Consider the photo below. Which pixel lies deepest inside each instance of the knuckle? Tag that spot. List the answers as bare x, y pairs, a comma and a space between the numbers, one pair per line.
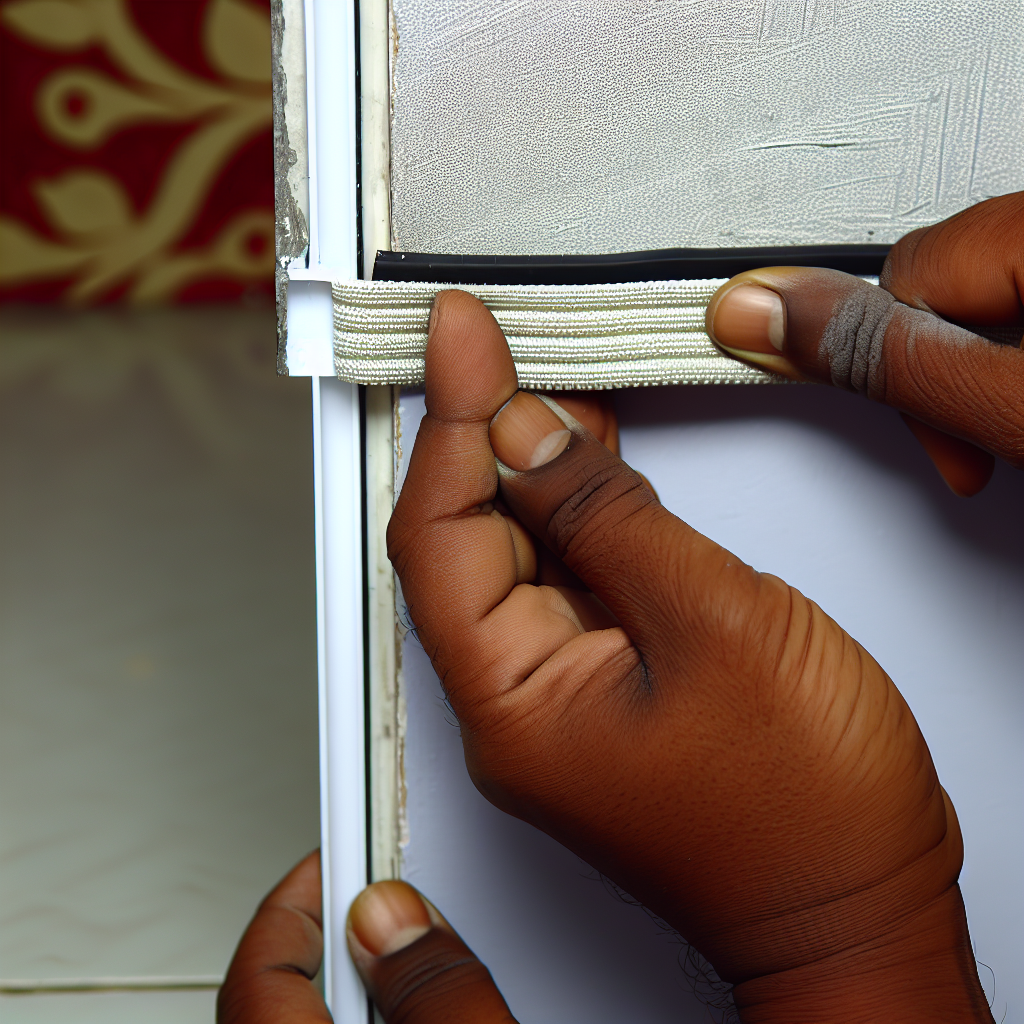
427, 980
397, 536
406, 541
853, 342
604, 494
901, 266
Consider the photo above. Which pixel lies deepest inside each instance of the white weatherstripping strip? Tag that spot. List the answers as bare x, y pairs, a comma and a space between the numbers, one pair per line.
561, 336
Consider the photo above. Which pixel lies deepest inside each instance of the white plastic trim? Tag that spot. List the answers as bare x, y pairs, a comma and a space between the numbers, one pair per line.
337, 467
331, 110
310, 328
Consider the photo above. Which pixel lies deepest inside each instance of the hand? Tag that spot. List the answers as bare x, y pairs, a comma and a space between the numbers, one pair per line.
414, 965
959, 393
699, 732
270, 980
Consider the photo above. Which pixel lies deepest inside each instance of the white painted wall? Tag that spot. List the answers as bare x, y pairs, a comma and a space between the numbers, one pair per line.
832, 494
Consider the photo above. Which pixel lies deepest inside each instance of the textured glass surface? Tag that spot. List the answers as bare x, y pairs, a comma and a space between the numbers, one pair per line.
607, 125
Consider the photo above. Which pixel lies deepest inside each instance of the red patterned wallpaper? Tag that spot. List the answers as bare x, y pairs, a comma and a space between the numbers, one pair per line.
137, 160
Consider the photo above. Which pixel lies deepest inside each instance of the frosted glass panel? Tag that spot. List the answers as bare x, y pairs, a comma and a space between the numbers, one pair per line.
611, 125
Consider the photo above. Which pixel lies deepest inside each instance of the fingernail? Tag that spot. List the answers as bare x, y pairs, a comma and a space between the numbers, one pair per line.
526, 433
387, 917
751, 319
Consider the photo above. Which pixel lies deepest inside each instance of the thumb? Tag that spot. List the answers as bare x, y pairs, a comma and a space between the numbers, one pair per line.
415, 967
653, 571
825, 326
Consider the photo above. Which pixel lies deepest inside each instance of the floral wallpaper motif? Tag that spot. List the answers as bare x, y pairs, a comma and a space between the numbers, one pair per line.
137, 160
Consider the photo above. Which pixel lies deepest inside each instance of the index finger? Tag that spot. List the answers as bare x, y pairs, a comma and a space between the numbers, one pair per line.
968, 268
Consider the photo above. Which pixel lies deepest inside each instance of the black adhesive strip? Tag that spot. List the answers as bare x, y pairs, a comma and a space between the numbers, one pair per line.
621, 268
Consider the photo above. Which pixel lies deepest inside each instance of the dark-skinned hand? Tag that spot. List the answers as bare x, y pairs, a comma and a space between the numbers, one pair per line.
913, 343
700, 732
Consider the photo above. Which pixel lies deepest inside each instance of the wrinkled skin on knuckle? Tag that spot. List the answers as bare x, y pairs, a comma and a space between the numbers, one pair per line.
603, 493
935, 370
830, 319
579, 500
853, 341
428, 980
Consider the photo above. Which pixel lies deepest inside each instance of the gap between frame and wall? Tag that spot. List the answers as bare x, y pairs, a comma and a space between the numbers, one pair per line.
384, 701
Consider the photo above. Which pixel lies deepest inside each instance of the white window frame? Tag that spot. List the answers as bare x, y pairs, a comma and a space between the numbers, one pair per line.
317, 130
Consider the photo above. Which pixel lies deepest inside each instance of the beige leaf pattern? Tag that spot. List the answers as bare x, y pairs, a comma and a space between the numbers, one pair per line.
24, 255
86, 202
106, 107
237, 41
57, 24
103, 242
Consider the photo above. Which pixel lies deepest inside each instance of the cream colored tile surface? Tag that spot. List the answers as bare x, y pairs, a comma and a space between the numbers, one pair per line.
158, 739
109, 1008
